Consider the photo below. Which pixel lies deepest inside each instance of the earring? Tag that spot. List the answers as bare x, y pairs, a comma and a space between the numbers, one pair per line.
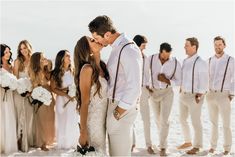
91, 54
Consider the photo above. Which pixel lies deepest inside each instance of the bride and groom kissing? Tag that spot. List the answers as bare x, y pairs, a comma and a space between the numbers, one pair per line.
107, 94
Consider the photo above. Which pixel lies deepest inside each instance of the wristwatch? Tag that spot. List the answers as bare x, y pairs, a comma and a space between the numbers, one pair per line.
116, 114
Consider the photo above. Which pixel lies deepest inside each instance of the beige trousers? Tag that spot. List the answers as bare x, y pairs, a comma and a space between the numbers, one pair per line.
219, 103
120, 131
161, 101
145, 115
188, 106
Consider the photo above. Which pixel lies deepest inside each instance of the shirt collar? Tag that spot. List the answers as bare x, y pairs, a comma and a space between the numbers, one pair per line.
224, 56
118, 40
192, 58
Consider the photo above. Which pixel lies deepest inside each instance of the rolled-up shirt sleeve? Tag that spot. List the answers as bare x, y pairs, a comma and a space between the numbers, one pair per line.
131, 63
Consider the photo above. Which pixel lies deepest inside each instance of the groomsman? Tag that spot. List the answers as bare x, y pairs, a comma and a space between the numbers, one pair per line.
124, 66
141, 42
193, 87
165, 73
221, 85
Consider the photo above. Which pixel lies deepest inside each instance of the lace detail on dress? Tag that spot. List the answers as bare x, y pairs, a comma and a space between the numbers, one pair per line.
97, 116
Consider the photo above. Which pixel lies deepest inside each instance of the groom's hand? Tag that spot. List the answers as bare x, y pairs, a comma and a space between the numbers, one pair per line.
119, 113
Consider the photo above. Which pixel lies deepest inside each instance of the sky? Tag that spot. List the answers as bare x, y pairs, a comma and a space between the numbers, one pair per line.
53, 25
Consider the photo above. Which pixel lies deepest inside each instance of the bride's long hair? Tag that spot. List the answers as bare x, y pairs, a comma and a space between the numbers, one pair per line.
82, 55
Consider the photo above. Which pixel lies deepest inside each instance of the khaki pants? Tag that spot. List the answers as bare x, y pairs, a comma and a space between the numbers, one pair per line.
162, 100
188, 106
120, 131
145, 115
219, 103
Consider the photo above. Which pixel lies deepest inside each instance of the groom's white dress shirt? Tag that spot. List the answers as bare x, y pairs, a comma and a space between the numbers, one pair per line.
128, 88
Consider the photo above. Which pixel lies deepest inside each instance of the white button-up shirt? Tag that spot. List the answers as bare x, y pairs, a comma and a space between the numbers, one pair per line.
200, 75
167, 68
128, 88
145, 71
216, 74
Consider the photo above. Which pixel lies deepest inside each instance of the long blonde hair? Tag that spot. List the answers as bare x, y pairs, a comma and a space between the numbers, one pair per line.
35, 70
20, 57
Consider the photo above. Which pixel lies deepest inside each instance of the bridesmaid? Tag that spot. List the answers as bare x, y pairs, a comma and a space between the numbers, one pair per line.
24, 110
44, 120
51, 110
7, 108
66, 117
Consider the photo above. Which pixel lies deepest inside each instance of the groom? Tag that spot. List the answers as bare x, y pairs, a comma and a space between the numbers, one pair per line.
124, 66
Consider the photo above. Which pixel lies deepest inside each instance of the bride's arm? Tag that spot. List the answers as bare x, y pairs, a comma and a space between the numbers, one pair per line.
85, 87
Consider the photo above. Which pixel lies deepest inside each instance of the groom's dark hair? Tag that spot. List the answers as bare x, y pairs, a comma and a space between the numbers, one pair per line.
101, 25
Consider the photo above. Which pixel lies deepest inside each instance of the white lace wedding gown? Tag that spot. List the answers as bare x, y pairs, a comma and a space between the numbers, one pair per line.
96, 121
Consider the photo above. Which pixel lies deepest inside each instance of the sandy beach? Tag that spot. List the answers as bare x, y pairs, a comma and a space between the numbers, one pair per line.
174, 139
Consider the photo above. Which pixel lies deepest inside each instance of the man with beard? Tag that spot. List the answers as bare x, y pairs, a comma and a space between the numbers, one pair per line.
221, 85
165, 73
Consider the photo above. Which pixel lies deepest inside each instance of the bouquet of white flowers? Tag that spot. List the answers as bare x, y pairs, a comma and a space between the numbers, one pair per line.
85, 151
7, 81
72, 93
41, 96
24, 86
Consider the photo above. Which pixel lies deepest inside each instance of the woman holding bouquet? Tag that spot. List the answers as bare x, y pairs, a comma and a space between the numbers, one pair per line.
24, 110
43, 118
66, 115
8, 119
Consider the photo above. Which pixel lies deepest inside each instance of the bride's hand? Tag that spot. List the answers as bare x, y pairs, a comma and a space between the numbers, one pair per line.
83, 139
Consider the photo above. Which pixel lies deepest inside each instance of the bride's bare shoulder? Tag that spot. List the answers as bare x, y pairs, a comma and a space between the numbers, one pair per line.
86, 70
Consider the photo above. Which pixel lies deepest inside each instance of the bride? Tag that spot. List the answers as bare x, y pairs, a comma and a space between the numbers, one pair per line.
91, 78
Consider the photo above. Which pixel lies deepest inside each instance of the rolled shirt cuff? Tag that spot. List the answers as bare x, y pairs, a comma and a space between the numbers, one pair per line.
124, 105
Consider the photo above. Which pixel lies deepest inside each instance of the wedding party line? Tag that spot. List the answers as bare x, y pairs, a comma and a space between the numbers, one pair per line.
91, 106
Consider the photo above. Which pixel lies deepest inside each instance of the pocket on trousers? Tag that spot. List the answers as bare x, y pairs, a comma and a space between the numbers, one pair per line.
112, 123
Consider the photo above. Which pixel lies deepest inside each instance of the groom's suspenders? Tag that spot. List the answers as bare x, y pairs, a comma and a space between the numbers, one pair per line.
115, 83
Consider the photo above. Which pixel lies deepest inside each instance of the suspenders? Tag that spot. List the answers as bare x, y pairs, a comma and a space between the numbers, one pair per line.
173, 72
143, 71
115, 83
151, 68
225, 72
193, 73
